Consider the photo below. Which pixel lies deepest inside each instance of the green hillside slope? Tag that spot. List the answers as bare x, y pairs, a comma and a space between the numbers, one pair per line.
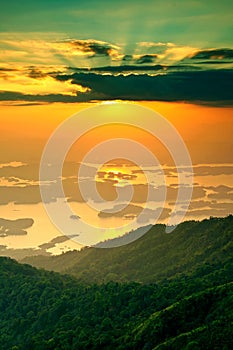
42, 310
193, 247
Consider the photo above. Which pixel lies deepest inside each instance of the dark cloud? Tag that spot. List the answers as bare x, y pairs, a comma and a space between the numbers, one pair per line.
14, 227
126, 68
94, 47
22, 104
17, 96
150, 58
127, 58
176, 86
3, 69
216, 62
173, 84
5, 73
132, 68
36, 73
213, 54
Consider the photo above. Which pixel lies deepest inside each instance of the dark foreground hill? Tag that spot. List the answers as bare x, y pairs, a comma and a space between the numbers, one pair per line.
194, 247
42, 310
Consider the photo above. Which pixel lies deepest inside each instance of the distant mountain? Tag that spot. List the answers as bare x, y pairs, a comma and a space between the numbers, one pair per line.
194, 247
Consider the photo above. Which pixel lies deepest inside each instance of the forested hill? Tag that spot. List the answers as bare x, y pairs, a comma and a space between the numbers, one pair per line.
204, 247
42, 310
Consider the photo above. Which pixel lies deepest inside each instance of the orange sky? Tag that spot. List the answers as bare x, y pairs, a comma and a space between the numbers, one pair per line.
207, 131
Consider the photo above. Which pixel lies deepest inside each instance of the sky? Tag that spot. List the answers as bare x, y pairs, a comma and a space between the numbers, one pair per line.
62, 57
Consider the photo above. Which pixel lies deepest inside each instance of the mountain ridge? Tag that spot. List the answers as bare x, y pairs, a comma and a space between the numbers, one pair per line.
191, 246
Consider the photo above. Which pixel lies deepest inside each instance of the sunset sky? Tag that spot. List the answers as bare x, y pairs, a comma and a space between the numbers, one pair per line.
61, 57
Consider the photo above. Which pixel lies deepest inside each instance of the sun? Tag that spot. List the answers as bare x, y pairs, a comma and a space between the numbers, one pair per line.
119, 173
109, 102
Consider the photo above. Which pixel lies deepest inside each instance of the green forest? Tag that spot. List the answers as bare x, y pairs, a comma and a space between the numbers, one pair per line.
163, 291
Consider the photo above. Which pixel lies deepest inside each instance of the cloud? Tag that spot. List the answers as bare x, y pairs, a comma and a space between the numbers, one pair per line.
14, 227
177, 53
36, 73
157, 48
23, 171
198, 204
116, 175
94, 47
132, 211
51, 244
30, 172
201, 170
212, 54
14, 164
55, 51
38, 81
213, 170
127, 58
104, 71
201, 86
127, 68
149, 58
19, 195
166, 52
20, 182
139, 59
221, 189
150, 215
221, 193
213, 204
49, 98
207, 213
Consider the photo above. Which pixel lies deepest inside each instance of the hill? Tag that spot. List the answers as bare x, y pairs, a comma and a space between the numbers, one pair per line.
194, 247
42, 310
